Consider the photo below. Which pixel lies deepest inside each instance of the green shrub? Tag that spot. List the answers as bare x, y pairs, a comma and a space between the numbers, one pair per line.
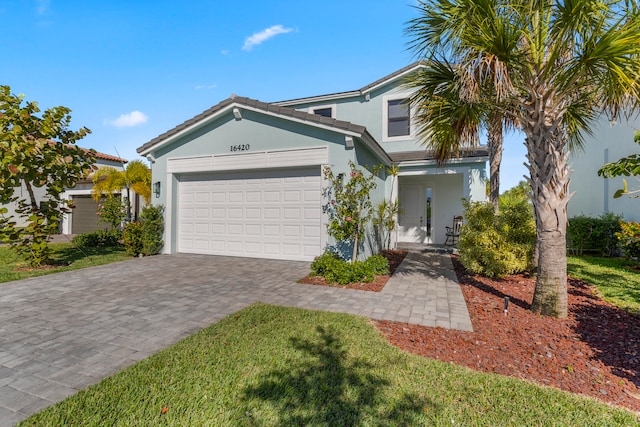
112, 211
629, 237
377, 264
497, 245
98, 238
595, 235
132, 238
336, 270
152, 219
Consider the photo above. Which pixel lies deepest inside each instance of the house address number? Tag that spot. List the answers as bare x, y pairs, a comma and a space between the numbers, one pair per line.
240, 147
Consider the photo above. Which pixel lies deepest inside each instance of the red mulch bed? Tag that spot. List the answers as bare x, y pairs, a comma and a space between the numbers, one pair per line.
394, 256
595, 351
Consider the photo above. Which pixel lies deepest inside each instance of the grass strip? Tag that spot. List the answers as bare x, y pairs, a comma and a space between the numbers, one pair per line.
615, 279
274, 366
65, 256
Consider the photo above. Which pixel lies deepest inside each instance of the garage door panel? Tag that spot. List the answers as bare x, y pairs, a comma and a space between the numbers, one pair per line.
271, 196
253, 213
270, 214
291, 214
312, 214
253, 230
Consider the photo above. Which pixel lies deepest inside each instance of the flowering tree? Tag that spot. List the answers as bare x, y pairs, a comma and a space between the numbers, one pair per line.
349, 208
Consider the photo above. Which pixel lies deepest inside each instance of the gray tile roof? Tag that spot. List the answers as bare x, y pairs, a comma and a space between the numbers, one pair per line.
408, 156
339, 125
360, 91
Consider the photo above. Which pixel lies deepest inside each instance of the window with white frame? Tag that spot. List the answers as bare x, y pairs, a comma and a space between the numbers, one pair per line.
396, 118
324, 110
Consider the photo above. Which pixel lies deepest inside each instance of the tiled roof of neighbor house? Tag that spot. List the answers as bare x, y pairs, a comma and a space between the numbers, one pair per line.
108, 157
97, 154
408, 156
259, 105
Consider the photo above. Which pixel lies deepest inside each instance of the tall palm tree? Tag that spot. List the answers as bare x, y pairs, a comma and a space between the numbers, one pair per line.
136, 176
555, 67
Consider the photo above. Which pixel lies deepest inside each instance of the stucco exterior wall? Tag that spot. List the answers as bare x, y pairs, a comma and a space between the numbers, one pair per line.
594, 194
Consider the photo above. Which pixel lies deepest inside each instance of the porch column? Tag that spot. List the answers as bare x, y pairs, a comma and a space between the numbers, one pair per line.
394, 197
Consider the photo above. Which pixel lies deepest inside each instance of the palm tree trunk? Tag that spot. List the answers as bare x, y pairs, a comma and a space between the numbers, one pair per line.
550, 184
494, 135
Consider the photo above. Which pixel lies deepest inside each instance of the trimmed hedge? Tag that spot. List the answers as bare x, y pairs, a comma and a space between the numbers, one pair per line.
593, 235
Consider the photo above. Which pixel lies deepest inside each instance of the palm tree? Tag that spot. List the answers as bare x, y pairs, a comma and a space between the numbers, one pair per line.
447, 122
554, 68
136, 176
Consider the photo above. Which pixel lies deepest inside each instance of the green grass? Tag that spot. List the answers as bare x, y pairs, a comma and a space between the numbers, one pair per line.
66, 254
274, 366
613, 277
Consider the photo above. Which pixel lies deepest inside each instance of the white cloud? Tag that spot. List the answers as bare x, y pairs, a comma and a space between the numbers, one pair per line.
224, 52
128, 120
264, 35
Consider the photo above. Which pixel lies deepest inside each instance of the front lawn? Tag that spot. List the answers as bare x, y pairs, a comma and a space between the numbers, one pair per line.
66, 256
270, 365
614, 278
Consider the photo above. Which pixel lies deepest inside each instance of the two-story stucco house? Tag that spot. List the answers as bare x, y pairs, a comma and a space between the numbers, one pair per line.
244, 178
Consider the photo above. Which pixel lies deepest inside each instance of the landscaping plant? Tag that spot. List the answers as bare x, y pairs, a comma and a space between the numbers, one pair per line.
593, 234
152, 219
98, 238
629, 237
336, 270
144, 237
112, 211
349, 208
132, 238
496, 245
36, 151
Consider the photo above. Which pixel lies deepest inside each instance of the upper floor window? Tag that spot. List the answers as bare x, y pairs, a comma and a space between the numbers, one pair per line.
398, 116
396, 123
325, 111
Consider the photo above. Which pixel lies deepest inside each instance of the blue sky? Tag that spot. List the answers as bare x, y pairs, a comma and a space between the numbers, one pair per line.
131, 70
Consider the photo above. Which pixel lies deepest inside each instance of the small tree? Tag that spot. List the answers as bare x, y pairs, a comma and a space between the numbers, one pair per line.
626, 166
36, 151
112, 211
349, 208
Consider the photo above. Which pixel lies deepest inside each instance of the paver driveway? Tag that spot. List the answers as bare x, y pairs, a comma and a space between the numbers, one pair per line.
63, 332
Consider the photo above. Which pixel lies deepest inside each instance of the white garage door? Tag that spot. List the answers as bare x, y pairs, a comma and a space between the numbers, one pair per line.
261, 214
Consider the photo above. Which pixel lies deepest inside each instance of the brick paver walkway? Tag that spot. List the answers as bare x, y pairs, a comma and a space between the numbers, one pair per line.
63, 332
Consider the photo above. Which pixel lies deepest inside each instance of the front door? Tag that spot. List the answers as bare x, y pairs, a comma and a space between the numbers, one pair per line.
415, 222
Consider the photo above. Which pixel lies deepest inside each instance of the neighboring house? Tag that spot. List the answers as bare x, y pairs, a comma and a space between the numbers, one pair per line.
244, 178
594, 194
83, 217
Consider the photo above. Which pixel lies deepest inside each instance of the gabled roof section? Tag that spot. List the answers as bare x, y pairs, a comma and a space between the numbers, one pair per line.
401, 73
286, 113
